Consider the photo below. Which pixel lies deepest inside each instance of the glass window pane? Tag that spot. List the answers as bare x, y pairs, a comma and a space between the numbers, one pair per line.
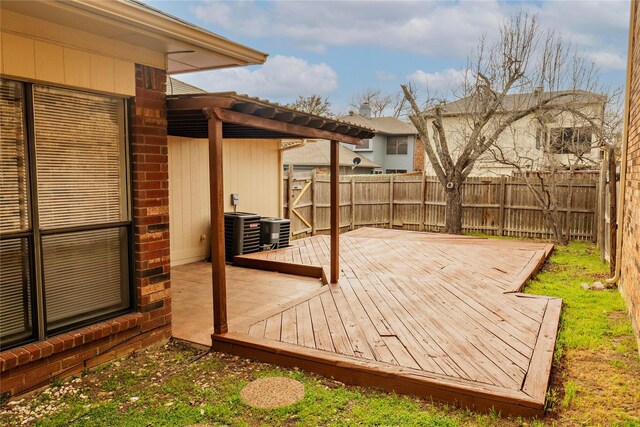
85, 275
13, 164
80, 158
16, 322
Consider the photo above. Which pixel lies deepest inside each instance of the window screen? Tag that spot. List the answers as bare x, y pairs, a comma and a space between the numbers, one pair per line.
83, 275
79, 158
16, 321
16, 316
13, 165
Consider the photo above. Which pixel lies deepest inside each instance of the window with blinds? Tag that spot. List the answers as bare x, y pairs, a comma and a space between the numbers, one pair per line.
64, 260
16, 311
79, 152
13, 166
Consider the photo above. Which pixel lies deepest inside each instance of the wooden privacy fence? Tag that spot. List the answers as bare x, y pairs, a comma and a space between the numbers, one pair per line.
502, 206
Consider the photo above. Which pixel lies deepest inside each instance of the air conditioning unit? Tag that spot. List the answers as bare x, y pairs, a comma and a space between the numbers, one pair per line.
274, 233
241, 234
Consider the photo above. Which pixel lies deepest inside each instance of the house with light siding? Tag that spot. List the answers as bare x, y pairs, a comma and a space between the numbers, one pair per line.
395, 147
556, 136
307, 156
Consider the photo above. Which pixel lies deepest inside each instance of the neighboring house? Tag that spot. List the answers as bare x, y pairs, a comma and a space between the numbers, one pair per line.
628, 258
395, 147
84, 202
552, 137
178, 87
314, 155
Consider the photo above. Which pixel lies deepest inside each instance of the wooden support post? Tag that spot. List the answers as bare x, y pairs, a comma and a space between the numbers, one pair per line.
421, 209
314, 203
289, 190
216, 194
335, 212
352, 219
501, 195
391, 201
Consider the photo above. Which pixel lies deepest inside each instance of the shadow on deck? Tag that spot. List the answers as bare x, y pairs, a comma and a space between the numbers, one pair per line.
418, 313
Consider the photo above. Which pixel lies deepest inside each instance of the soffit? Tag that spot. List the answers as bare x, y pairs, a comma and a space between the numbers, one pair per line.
188, 47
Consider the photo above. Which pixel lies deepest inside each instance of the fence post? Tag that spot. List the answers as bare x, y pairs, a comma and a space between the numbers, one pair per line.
501, 196
600, 212
391, 201
613, 210
289, 190
314, 202
352, 217
422, 209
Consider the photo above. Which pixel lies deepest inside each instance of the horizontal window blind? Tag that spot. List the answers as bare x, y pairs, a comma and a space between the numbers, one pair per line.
79, 158
84, 275
16, 321
13, 165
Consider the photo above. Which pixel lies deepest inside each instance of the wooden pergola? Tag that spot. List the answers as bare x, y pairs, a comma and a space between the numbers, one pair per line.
216, 116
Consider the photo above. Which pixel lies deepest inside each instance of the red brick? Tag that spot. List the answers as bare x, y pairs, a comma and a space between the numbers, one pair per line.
47, 348
10, 383
42, 372
23, 355
58, 344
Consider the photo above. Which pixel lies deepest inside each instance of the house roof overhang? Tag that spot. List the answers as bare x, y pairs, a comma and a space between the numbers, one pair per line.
187, 47
248, 117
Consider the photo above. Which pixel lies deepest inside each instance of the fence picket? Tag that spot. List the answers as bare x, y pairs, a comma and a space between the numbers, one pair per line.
502, 206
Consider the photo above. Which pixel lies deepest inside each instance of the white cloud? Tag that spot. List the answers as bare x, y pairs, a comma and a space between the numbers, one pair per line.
438, 83
279, 78
450, 29
608, 60
423, 27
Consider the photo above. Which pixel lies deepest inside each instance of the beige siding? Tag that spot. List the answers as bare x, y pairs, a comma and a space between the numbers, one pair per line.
27, 58
251, 168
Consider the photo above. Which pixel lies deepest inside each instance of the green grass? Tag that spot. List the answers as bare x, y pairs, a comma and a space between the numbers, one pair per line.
595, 356
586, 321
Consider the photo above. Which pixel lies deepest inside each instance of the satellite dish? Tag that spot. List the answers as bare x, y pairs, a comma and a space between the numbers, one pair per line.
356, 161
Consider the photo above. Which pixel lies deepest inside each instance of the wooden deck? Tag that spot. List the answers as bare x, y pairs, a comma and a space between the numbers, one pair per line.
414, 312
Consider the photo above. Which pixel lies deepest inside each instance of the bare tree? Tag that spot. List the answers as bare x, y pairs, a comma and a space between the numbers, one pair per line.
569, 140
381, 104
378, 102
523, 60
313, 104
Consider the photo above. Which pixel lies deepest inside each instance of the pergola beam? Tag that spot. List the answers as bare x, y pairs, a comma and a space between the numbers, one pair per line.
237, 118
199, 103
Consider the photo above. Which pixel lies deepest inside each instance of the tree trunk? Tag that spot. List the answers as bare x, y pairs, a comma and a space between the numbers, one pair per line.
569, 203
453, 210
551, 220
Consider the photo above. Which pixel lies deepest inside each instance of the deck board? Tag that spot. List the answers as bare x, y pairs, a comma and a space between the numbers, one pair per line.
431, 308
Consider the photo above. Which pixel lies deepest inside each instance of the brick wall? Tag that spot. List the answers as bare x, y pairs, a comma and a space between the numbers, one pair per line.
630, 281
34, 365
151, 198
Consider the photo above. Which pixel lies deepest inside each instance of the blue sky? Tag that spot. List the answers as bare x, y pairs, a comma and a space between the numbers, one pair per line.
340, 48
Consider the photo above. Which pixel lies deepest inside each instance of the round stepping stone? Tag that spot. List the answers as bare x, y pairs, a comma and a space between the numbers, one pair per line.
272, 392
